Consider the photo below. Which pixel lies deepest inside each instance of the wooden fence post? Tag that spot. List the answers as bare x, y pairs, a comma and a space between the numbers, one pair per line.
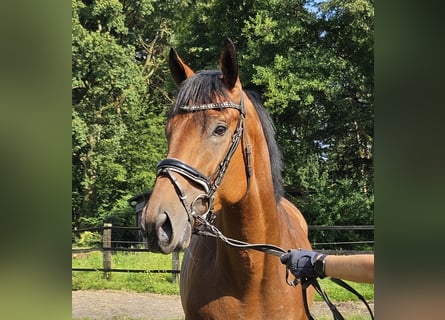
175, 266
106, 245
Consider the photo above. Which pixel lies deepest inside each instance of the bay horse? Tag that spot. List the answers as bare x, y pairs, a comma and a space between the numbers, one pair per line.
223, 164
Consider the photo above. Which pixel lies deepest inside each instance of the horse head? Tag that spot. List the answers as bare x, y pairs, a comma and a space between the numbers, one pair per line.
204, 130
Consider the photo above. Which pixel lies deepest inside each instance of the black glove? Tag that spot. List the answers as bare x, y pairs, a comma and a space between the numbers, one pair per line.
301, 263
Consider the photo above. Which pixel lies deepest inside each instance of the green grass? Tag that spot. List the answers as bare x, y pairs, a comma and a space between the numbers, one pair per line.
129, 318
337, 293
138, 282
162, 282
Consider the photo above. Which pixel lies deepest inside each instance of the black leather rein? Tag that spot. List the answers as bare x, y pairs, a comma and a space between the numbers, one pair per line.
209, 229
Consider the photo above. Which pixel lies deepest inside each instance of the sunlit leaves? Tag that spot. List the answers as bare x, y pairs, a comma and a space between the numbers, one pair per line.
116, 132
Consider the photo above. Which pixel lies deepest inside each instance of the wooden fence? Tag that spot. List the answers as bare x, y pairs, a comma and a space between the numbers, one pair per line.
107, 249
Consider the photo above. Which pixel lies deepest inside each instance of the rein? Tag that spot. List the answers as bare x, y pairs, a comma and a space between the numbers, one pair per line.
213, 231
278, 251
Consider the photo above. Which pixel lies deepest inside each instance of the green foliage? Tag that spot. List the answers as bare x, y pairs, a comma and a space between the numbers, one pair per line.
117, 109
316, 71
88, 239
202, 26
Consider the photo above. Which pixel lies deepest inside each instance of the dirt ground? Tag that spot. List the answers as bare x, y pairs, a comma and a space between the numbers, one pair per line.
119, 305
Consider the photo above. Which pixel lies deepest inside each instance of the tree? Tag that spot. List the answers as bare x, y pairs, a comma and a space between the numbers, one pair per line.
201, 27
118, 71
318, 84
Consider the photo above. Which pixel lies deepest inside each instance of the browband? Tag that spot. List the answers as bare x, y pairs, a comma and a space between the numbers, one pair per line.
214, 105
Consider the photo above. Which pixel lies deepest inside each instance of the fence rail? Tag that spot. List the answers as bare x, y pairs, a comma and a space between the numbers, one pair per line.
107, 248
362, 227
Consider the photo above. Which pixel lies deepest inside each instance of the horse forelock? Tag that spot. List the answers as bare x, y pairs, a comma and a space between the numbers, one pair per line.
203, 88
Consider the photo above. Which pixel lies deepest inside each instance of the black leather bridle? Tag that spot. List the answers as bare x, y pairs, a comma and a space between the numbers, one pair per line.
210, 184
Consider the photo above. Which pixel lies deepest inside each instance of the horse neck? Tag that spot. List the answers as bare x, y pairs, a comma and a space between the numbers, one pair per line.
254, 218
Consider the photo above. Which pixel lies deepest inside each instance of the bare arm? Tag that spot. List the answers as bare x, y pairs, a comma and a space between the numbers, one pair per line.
309, 264
357, 268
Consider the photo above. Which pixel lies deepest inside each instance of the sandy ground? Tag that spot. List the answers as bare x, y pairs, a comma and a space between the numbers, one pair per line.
114, 304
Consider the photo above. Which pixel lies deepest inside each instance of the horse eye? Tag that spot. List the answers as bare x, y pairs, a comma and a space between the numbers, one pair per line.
220, 130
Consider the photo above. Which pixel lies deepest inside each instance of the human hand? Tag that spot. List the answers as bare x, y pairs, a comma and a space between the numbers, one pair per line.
301, 263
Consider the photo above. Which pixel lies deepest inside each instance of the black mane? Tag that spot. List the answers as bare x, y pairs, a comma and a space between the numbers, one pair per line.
203, 87
276, 160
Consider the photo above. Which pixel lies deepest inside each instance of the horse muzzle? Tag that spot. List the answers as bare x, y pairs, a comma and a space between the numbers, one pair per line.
165, 234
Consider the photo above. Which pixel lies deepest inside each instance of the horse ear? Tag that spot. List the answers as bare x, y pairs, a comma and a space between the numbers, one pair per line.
229, 64
178, 69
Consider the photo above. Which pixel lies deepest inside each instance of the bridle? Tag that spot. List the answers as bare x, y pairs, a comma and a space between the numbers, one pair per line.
210, 184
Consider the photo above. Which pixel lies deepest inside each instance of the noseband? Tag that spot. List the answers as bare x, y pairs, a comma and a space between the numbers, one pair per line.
210, 184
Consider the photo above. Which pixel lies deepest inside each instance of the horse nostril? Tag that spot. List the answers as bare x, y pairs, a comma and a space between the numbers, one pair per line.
164, 228
142, 227
141, 220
